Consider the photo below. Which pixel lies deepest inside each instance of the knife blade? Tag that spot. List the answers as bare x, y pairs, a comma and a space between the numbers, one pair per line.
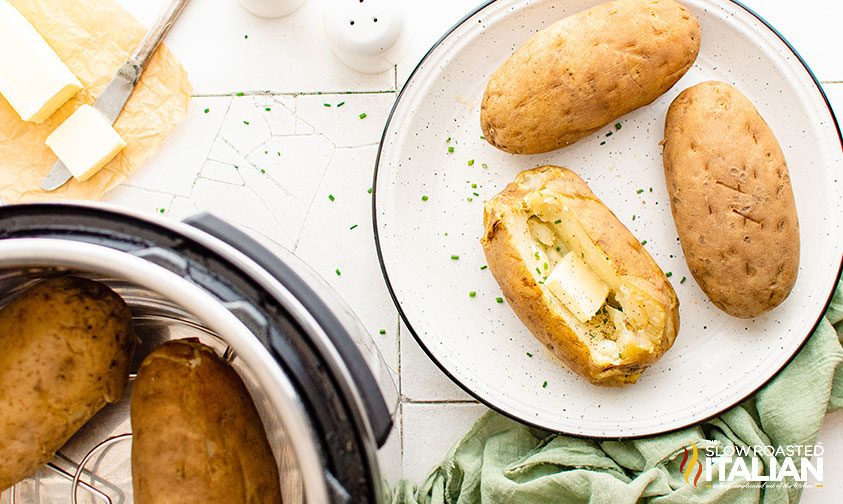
113, 99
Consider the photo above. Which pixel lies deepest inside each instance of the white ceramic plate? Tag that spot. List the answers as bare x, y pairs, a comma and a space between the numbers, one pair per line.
717, 360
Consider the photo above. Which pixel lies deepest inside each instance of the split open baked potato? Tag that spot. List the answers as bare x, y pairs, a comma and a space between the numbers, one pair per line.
577, 277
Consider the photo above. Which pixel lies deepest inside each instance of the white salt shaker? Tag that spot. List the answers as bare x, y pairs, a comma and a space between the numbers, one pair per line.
369, 36
271, 8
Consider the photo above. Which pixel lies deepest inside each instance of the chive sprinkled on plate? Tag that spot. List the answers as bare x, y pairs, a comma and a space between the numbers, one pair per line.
483, 267
668, 274
448, 140
603, 142
340, 104
326, 104
451, 149
617, 126
268, 109
425, 198
363, 115
639, 191
683, 280
651, 189
369, 190
207, 110
499, 300
469, 199
240, 93
472, 294
558, 221
382, 331
474, 186
246, 123
353, 227
544, 385
529, 354
633, 216
455, 257
470, 162
609, 134
331, 197
643, 242
338, 272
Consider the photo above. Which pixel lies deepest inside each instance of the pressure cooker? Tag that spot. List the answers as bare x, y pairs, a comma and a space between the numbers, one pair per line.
324, 394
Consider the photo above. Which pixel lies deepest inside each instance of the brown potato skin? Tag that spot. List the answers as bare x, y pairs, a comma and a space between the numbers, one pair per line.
196, 435
731, 199
527, 298
586, 70
65, 349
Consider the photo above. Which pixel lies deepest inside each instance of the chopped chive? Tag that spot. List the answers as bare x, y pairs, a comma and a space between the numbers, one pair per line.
331, 197
469, 199
639, 191
474, 186
245, 36
651, 189
643, 242
353, 227
668, 274
278, 153
263, 170
482, 137
476, 194
545, 266
338, 272
362, 116
240, 93
603, 142
538, 270
558, 221
326, 104
470, 162
451, 150
472, 294
161, 210
207, 110
340, 104
609, 134
246, 123
483, 267
529, 354
620, 355
448, 140
425, 198
369, 190
499, 300
455, 257
268, 109
382, 331
544, 385
617, 126
683, 280
633, 216
536, 254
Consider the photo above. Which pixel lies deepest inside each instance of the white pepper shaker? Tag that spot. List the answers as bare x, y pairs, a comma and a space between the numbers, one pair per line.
369, 36
271, 8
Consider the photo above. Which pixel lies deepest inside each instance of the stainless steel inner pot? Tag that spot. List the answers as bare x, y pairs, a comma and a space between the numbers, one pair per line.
166, 284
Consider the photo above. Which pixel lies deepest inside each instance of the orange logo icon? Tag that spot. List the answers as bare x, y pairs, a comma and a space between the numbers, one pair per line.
687, 466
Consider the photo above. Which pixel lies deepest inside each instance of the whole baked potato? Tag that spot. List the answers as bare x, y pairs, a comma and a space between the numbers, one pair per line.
577, 278
65, 349
196, 435
583, 72
731, 199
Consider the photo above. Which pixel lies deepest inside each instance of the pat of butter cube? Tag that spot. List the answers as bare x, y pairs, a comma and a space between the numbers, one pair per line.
579, 289
33, 79
85, 142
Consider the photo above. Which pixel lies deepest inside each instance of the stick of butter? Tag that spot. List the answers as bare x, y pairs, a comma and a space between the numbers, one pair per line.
85, 142
579, 289
33, 79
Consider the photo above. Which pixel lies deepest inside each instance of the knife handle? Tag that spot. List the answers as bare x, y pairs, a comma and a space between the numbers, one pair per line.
154, 36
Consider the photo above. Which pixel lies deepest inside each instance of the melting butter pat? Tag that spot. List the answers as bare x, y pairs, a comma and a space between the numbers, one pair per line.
33, 79
579, 289
85, 142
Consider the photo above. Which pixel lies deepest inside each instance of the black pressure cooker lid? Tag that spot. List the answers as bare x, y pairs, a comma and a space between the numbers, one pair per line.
340, 425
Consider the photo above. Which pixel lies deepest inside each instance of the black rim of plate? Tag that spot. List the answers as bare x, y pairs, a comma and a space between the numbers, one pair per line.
490, 404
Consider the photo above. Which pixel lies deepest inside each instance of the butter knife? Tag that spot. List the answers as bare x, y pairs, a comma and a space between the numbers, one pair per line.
117, 92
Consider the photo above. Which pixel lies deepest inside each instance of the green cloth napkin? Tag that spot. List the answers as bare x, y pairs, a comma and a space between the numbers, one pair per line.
501, 461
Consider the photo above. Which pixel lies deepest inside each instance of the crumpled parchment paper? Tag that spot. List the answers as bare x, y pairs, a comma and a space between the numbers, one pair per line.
93, 38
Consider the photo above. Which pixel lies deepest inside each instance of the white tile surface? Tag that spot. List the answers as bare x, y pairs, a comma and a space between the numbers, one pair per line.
214, 162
